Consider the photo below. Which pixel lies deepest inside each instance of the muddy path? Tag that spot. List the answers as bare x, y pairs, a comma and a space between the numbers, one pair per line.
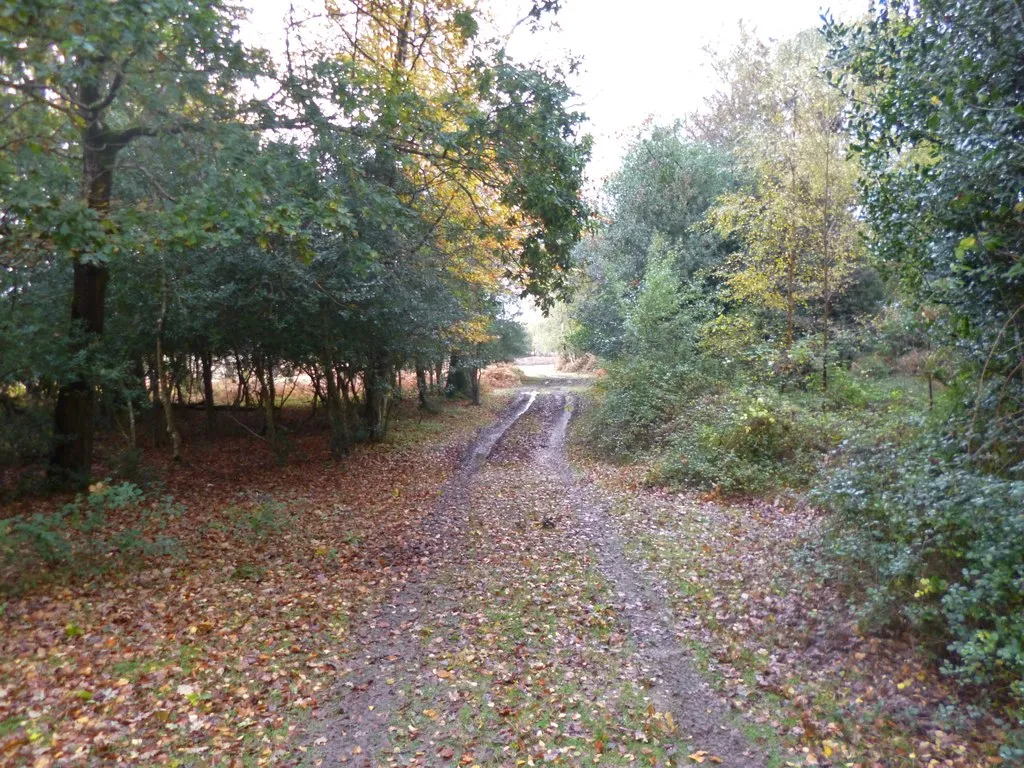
524, 634
355, 725
676, 685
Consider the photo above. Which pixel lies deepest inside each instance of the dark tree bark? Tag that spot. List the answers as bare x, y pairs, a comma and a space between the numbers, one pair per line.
341, 438
166, 383
421, 383
377, 399
206, 359
74, 416
265, 372
155, 418
458, 383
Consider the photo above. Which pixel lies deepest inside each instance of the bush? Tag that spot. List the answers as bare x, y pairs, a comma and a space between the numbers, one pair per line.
939, 546
745, 442
81, 535
256, 524
26, 434
634, 402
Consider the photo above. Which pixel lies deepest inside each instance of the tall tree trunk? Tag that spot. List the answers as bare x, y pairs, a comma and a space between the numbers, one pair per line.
165, 385
159, 435
206, 358
790, 300
71, 459
474, 384
168, 406
242, 395
265, 372
346, 398
421, 383
826, 272
336, 410
824, 346
377, 394
458, 384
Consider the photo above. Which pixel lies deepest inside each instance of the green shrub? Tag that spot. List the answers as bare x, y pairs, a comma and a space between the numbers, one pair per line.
81, 535
39, 537
260, 521
634, 403
25, 433
937, 545
745, 442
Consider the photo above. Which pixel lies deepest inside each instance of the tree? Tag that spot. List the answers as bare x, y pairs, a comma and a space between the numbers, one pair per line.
402, 178
661, 194
794, 222
934, 89
89, 79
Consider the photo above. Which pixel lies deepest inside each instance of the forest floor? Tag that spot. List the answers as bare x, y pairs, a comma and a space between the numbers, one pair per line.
426, 603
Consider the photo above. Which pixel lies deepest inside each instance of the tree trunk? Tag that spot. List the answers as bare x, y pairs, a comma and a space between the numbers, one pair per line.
265, 372
76, 401
165, 385
474, 384
132, 439
71, 459
790, 300
336, 411
826, 272
458, 383
377, 405
346, 399
168, 406
206, 358
242, 395
824, 349
421, 383
155, 409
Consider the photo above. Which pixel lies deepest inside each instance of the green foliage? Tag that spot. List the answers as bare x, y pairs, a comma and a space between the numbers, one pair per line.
630, 407
259, 522
26, 432
939, 546
934, 101
355, 223
111, 525
745, 442
663, 370
657, 202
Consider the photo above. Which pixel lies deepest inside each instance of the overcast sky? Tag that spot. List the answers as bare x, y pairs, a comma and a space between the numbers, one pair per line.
648, 58
641, 59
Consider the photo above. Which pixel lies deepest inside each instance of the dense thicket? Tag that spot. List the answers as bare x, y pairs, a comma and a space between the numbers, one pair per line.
355, 206
814, 285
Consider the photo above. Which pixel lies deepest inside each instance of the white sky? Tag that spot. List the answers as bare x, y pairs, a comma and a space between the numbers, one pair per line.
641, 59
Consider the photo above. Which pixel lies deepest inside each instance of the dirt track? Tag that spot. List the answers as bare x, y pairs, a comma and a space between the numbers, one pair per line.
523, 603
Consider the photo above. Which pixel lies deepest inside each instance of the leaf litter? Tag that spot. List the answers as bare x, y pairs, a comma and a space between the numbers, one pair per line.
219, 658
781, 645
530, 615
514, 648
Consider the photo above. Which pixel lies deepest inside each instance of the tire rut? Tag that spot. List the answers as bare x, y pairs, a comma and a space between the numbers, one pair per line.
390, 637
677, 687
352, 728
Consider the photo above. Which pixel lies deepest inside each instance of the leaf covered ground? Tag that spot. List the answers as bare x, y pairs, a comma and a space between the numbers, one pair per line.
781, 645
460, 596
514, 653
215, 657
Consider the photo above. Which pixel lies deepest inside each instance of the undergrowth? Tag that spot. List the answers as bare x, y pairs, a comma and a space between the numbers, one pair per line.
87, 535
